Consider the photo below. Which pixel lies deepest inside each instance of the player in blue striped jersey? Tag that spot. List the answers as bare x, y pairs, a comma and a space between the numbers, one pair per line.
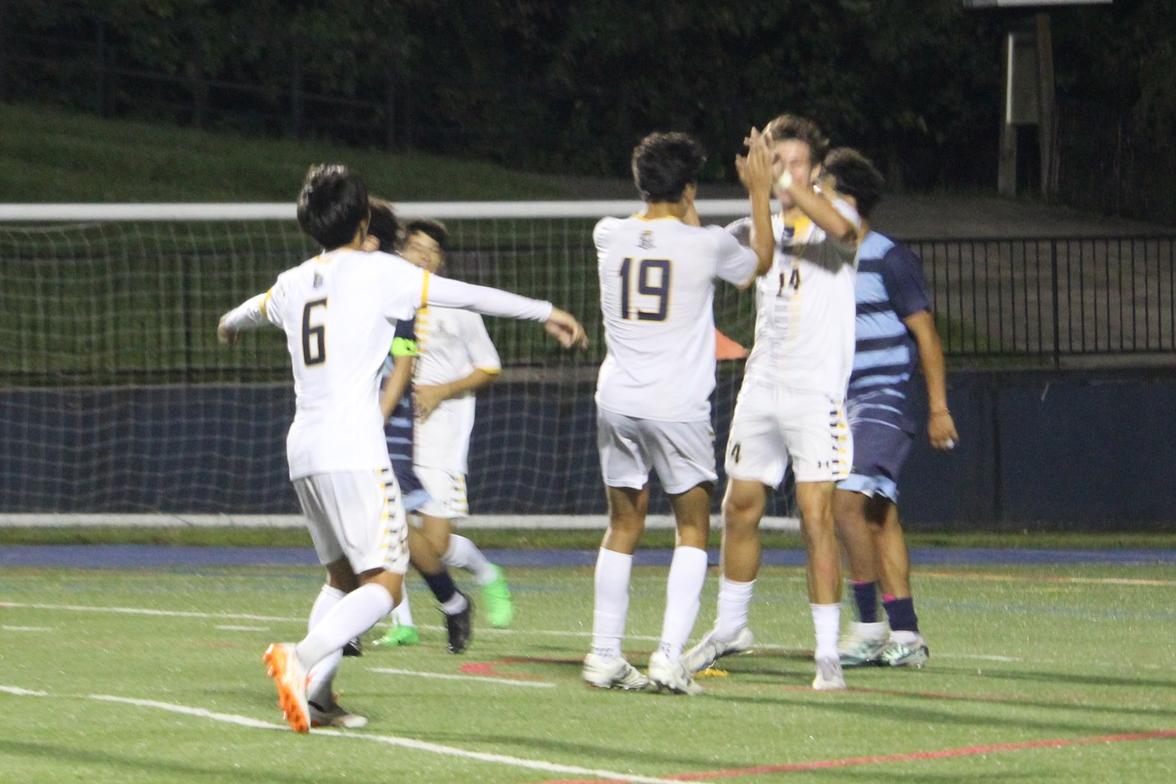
396, 405
894, 330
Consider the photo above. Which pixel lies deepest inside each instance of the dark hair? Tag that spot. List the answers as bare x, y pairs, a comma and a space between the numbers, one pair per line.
664, 164
802, 129
332, 204
432, 228
856, 176
383, 224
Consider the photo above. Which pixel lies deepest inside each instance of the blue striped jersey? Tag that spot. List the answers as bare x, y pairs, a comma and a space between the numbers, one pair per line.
889, 288
398, 428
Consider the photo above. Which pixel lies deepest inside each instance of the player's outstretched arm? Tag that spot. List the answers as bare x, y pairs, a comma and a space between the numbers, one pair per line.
250, 314
396, 384
446, 293
755, 172
941, 429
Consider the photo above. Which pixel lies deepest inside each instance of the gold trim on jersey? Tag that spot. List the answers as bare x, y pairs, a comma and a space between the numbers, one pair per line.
265, 303
425, 290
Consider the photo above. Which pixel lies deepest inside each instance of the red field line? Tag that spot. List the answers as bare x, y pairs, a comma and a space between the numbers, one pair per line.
962, 751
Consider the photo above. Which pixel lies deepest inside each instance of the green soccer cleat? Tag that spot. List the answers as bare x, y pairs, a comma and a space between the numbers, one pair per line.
496, 597
399, 635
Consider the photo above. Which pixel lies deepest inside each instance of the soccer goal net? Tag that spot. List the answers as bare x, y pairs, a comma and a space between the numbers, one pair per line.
118, 405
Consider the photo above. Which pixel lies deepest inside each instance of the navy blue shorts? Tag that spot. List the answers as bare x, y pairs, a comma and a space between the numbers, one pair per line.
882, 437
398, 434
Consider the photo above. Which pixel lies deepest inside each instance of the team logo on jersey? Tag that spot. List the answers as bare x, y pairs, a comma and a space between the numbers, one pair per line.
318, 281
646, 240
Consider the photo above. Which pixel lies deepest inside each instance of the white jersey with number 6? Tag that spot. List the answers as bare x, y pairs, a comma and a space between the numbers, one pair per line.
339, 312
656, 294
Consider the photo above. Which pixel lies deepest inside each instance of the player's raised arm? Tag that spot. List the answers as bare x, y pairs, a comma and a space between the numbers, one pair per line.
820, 209
755, 172
447, 293
250, 314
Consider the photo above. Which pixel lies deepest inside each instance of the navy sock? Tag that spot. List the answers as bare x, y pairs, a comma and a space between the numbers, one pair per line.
901, 613
865, 596
441, 584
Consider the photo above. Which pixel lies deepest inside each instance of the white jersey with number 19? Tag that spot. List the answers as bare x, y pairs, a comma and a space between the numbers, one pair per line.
656, 294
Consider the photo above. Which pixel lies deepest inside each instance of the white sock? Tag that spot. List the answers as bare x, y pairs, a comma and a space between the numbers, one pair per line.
870, 631
456, 604
402, 613
612, 602
464, 554
323, 673
734, 601
827, 624
354, 614
683, 587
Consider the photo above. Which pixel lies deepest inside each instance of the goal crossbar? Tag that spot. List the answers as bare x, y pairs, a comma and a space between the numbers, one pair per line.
441, 210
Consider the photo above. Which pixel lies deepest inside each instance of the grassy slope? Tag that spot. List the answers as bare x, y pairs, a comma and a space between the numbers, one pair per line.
54, 155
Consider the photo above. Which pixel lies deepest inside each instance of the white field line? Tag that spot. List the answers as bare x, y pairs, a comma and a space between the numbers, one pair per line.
231, 628
18, 691
27, 628
442, 676
146, 611
389, 740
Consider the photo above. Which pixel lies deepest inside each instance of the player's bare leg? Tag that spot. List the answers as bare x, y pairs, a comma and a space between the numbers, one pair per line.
683, 587
907, 648
743, 507
823, 571
604, 666
855, 515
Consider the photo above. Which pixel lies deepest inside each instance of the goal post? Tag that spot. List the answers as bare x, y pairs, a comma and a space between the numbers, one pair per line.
116, 402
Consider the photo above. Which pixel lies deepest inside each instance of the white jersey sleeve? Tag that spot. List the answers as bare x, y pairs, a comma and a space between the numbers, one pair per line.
483, 355
446, 293
736, 263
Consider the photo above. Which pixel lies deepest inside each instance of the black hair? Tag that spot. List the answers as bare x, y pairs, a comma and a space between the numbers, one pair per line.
664, 164
332, 205
801, 129
856, 176
383, 224
432, 228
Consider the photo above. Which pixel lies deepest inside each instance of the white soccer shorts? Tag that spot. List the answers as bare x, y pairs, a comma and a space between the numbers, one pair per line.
682, 453
357, 515
772, 426
447, 493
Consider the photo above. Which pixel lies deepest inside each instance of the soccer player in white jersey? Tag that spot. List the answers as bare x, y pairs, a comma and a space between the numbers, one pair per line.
455, 359
339, 311
791, 404
657, 277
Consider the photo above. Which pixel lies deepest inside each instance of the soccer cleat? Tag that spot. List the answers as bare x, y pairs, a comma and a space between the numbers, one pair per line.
860, 649
612, 672
399, 635
354, 647
712, 648
499, 606
281, 664
906, 654
673, 677
334, 715
829, 676
460, 627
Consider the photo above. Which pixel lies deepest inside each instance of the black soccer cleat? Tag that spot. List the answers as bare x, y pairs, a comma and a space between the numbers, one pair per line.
354, 647
460, 627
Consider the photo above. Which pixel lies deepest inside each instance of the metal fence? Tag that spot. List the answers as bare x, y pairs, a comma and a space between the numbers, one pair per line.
1053, 297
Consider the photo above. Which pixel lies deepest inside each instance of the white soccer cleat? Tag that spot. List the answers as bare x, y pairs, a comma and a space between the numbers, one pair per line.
712, 648
864, 645
829, 676
334, 715
670, 676
908, 653
612, 672
282, 664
